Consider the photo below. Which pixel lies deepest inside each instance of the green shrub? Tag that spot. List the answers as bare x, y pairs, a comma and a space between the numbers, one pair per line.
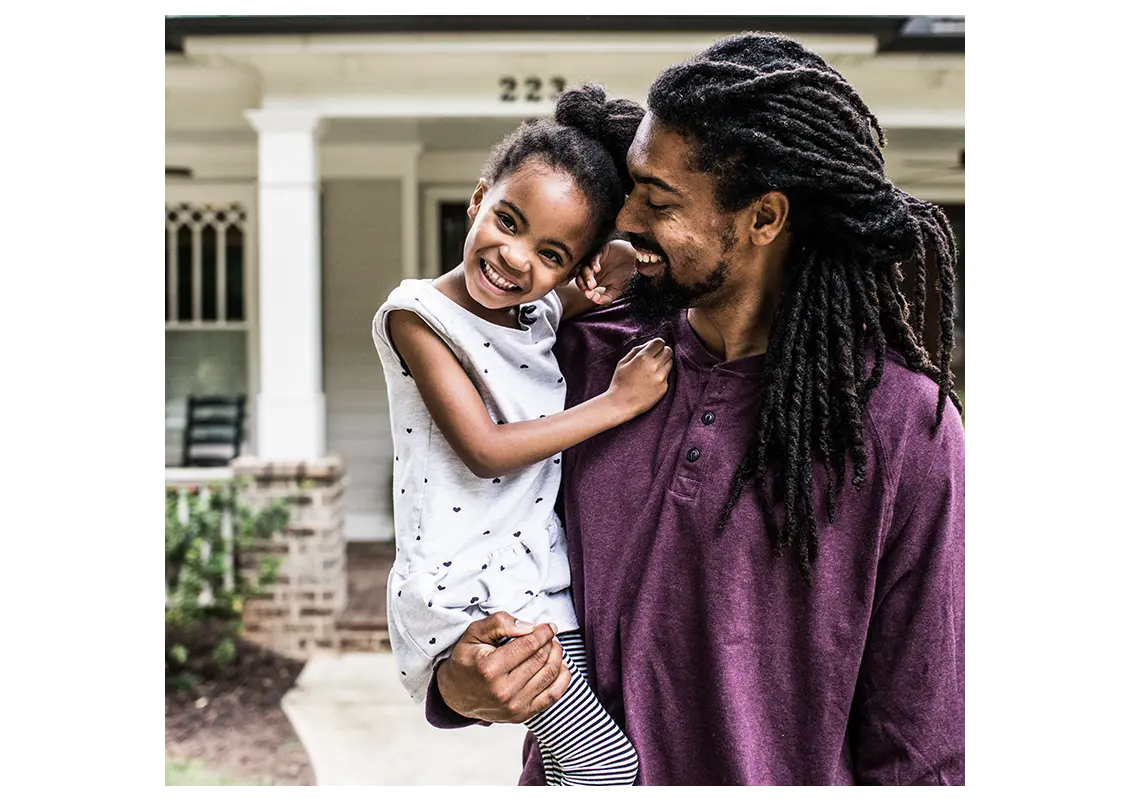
205, 586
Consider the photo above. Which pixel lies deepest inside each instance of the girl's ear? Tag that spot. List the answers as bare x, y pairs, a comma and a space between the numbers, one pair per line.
477, 198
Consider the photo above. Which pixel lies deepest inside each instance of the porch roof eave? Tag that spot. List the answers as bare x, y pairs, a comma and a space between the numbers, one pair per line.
892, 33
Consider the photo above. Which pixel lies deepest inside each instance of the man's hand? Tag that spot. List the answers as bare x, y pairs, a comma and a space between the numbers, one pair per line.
510, 683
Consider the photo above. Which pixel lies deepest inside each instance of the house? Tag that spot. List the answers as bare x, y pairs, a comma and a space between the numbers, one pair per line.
312, 163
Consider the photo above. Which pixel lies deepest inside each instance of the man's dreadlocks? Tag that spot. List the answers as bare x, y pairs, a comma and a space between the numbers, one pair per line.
766, 114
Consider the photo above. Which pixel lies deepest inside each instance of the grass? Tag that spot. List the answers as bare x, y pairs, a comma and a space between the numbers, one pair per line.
192, 773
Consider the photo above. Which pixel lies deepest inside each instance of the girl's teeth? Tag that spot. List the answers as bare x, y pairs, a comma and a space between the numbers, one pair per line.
498, 280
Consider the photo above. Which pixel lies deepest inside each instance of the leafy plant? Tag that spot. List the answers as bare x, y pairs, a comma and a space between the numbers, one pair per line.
209, 531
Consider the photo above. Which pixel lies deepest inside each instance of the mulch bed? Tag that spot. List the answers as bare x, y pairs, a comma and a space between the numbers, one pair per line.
232, 720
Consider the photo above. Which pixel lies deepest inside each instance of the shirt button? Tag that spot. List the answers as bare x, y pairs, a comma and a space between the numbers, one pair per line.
708, 418
693, 454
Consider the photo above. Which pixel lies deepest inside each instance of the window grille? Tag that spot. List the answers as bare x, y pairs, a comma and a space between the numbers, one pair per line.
204, 265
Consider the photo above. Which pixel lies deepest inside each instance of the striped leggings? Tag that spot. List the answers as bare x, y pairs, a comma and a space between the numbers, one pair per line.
580, 744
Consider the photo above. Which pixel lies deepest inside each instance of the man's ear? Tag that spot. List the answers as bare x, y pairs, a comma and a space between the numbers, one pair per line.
477, 198
766, 218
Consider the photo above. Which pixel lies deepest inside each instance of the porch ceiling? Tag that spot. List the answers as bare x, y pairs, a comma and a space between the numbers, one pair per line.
442, 91
476, 133
467, 133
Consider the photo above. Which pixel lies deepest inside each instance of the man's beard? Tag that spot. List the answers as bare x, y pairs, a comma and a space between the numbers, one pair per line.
653, 300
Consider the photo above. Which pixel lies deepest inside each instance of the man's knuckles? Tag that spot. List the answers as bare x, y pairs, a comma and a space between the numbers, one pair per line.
500, 696
535, 641
488, 673
539, 657
517, 710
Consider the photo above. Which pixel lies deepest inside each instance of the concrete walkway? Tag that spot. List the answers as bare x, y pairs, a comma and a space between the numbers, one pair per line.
360, 728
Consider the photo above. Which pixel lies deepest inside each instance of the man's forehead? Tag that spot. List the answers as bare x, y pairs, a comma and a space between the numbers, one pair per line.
660, 152
648, 139
661, 156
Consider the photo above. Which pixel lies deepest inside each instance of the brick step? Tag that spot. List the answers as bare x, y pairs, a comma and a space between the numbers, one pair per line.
362, 642
363, 624
361, 620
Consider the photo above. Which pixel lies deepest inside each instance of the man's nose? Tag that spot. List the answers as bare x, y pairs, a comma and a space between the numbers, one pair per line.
628, 218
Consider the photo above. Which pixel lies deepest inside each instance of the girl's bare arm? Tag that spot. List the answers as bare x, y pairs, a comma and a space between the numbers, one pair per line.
489, 449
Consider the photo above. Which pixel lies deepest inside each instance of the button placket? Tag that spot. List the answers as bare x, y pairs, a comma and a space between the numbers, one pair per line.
702, 436
697, 439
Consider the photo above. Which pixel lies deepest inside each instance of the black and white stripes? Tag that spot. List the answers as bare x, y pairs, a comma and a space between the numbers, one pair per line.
580, 744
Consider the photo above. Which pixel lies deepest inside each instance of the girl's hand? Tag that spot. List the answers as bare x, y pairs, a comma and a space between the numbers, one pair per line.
603, 280
640, 379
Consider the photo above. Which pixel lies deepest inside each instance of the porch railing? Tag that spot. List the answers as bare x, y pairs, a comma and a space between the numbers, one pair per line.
201, 479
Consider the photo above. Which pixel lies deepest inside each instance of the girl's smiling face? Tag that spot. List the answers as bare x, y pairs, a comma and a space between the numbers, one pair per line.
530, 230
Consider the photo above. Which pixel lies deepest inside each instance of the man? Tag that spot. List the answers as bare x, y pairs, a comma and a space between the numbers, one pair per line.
753, 617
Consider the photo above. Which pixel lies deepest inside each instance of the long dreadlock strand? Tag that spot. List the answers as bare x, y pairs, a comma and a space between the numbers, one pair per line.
820, 383
766, 114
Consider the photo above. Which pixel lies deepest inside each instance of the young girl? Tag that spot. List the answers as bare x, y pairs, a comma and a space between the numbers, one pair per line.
478, 418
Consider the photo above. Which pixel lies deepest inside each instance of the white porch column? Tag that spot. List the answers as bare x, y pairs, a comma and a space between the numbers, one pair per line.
291, 407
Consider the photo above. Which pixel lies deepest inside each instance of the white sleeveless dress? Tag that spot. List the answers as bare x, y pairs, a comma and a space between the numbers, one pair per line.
468, 546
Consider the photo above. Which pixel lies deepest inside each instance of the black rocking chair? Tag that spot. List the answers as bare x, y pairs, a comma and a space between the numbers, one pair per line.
213, 430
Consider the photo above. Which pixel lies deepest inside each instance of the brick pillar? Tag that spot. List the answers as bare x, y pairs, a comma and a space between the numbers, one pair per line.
298, 616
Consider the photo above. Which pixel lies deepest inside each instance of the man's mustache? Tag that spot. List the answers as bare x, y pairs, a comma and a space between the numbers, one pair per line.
640, 243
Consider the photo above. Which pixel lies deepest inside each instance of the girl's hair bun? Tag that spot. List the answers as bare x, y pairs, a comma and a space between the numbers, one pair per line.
613, 123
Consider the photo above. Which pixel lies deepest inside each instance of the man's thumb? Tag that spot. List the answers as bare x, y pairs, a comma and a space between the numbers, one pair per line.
506, 625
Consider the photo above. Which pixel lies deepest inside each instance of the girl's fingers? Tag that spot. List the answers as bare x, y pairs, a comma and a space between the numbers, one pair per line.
585, 278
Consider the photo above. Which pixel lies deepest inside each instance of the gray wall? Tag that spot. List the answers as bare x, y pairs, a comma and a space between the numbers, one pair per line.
361, 265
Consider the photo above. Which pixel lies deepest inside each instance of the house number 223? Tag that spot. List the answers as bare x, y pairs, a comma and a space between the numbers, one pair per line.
532, 91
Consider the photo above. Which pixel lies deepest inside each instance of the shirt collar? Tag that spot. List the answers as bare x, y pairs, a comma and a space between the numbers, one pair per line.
693, 351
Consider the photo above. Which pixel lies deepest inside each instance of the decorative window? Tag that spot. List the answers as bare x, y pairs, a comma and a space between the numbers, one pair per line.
206, 309
204, 264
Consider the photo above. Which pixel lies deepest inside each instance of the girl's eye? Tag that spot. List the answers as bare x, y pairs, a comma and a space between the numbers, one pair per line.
552, 256
507, 220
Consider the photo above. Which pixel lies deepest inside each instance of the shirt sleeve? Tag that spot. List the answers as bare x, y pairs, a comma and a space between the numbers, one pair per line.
908, 716
410, 295
437, 712
553, 308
